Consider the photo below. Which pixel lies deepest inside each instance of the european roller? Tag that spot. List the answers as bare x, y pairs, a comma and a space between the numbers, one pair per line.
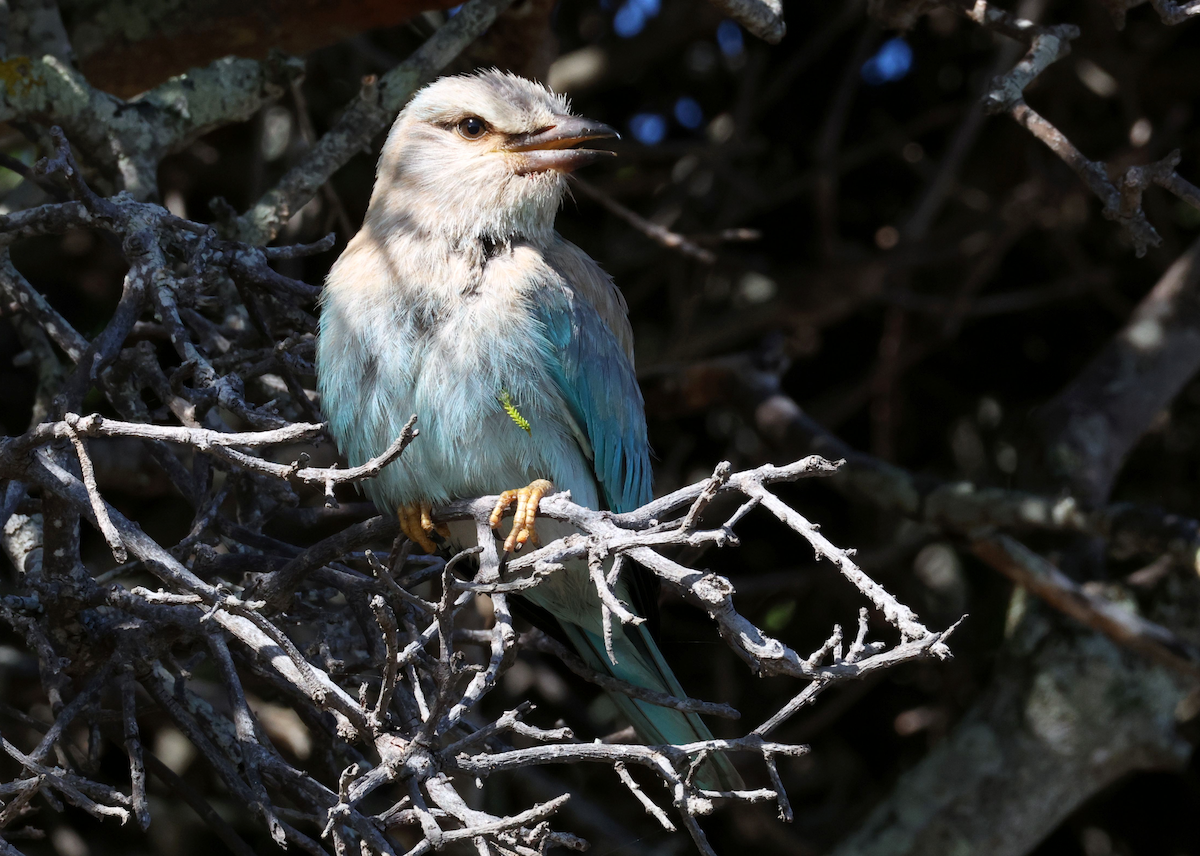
459, 302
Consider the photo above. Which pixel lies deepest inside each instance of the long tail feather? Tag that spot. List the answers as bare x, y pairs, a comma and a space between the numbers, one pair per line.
639, 662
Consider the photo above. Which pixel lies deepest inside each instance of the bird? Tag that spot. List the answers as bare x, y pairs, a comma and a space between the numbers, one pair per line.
458, 301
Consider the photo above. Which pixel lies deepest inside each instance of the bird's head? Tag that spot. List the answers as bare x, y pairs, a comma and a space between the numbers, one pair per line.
481, 156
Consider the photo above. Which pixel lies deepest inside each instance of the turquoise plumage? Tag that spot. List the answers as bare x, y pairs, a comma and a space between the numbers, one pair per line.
457, 301
598, 384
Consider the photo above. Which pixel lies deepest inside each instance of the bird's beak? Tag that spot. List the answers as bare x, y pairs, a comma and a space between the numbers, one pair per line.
552, 147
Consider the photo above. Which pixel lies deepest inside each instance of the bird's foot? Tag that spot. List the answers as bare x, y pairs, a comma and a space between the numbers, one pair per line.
416, 522
524, 527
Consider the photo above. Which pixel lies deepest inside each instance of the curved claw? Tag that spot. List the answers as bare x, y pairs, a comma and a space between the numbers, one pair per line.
524, 526
416, 522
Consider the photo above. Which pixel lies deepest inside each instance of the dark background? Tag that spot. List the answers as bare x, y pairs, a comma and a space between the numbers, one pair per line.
822, 145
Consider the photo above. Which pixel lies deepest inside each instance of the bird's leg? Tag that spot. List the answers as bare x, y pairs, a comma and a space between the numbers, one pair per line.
524, 527
416, 522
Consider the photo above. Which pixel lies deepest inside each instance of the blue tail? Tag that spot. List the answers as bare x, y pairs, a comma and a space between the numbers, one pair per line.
639, 662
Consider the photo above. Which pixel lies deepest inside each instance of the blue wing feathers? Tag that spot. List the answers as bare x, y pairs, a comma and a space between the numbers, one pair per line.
600, 388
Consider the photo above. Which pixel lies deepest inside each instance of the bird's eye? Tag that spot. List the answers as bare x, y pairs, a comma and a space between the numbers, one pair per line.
472, 128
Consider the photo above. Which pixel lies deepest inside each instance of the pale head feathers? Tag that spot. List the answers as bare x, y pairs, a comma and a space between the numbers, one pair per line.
434, 180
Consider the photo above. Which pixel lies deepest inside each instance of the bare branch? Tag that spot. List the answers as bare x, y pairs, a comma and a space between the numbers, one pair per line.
1047, 45
764, 18
660, 235
375, 107
1026, 568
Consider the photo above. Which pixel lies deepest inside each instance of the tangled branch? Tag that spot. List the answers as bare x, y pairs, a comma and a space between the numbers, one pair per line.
395, 698
1122, 197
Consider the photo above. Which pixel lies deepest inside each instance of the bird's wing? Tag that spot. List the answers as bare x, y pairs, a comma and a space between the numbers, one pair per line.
594, 285
597, 382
